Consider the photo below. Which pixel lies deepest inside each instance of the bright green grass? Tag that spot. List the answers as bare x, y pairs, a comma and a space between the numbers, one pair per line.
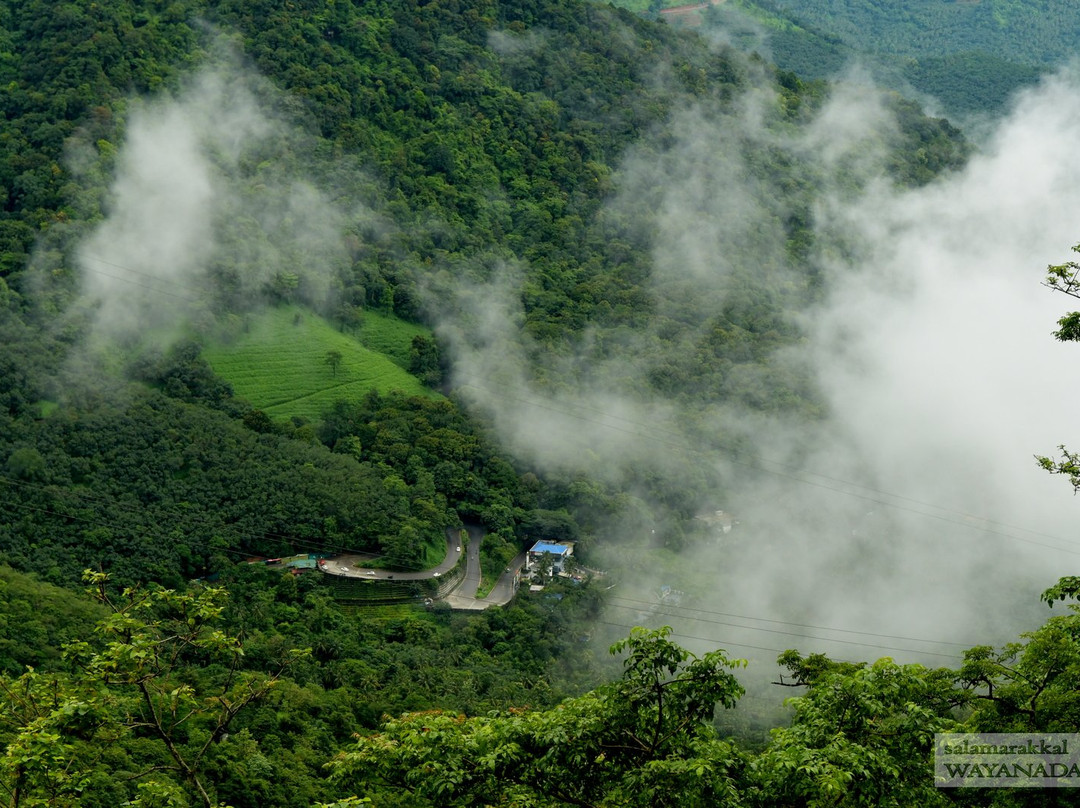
388, 335
279, 364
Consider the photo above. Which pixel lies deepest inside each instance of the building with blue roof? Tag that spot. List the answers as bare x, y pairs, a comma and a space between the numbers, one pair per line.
559, 551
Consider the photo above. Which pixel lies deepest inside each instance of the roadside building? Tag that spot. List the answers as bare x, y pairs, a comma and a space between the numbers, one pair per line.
559, 552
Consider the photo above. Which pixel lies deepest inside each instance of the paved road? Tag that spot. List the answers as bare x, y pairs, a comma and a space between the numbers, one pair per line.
464, 595
471, 582
506, 587
351, 566
501, 594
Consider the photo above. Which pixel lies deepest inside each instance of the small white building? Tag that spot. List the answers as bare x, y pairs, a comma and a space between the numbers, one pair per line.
559, 551
719, 522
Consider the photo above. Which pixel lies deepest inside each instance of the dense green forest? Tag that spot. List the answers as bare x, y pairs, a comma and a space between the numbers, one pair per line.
969, 56
1033, 33
402, 158
472, 157
227, 709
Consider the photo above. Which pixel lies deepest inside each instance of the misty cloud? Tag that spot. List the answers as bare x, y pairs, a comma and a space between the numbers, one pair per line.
506, 43
544, 425
210, 204
913, 508
933, 353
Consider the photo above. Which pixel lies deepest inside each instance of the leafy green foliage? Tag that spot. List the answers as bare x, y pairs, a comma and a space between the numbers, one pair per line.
429, 448
490, 133
862, 735
1030, 686
964, 54
1022, 31
36, 621
1063, 278
64, 65
1068, 464
972, 55
167, 703
184, 374
180, 694
163, 490
424, 361
644, 740
53, 731
971, 81
1065, 588
479, 146
131, 688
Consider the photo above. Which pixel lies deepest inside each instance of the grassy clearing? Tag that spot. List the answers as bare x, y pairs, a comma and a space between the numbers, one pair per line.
388, 335
279, 363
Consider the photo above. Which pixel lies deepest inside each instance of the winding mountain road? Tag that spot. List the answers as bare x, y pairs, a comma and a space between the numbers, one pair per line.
463, 596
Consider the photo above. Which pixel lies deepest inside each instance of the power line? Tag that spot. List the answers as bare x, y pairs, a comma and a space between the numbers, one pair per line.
712, 640
788, 623
800, 635
948, 515
153, 288
720, 643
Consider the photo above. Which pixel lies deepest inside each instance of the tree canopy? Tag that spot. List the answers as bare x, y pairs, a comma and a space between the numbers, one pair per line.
455, 138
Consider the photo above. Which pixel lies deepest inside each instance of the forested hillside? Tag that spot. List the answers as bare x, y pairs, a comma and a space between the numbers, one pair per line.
466, 144
495, 171
971, 57
1033, 33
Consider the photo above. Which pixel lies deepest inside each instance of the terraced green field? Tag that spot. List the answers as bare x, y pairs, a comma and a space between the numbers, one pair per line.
389, 335
279, 363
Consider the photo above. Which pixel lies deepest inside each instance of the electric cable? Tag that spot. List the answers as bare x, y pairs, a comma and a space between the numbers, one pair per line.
788, 623
800, 635
950, 516
153, 288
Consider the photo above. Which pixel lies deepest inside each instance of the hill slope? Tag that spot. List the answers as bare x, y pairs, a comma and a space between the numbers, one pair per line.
440, 162
280, 364
970, 56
